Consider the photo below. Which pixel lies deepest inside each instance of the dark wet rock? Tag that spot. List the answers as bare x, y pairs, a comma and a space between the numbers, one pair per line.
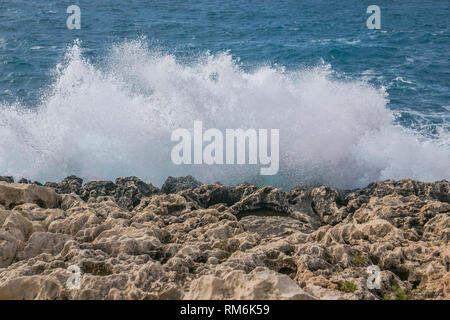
94, 189
71, 184
26, 181
324, 202
52, 185
7, 179
174, 185
439, 190
127, 191
264, 198
208, 195
131, 190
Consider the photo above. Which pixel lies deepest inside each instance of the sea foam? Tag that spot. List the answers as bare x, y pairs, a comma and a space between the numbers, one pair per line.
115, 118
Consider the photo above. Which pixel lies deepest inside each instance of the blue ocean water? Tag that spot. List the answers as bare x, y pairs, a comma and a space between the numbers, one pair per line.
357, 105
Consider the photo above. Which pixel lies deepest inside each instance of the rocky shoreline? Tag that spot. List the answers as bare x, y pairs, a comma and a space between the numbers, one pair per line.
188, 240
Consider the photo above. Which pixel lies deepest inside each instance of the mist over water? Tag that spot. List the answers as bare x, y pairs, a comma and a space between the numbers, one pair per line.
115, 118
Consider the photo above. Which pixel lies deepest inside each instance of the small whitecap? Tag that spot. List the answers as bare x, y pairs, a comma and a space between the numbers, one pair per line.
400, 79
346, 41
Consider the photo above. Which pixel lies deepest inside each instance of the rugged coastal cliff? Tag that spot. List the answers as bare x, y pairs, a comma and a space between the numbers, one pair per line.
186, 240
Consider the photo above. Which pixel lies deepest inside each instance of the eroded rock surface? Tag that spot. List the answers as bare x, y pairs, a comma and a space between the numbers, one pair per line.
127, 191
193, 241
13, 194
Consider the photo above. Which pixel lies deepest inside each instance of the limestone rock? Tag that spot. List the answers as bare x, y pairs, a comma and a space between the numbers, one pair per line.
13, 194
193, 241
260, 284
8, 248
43, 242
